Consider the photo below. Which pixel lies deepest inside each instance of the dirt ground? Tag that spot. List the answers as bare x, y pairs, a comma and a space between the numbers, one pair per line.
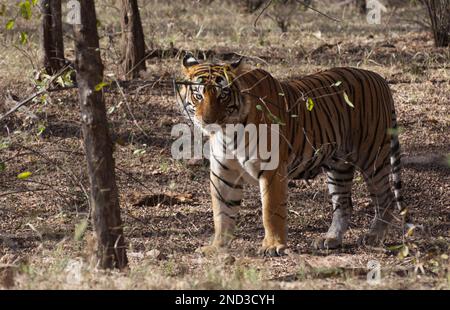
46, 242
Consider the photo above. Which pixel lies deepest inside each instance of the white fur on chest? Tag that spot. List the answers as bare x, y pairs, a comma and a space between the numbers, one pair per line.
245, 161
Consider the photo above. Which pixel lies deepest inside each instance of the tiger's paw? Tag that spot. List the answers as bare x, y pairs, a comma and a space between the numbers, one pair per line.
327, 243
272, 250
210, 250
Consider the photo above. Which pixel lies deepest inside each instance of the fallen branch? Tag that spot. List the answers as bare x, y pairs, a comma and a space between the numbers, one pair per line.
36, 94
20, 191
22, 103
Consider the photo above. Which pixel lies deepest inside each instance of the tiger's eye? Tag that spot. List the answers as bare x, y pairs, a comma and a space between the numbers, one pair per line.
224, 93
198, 97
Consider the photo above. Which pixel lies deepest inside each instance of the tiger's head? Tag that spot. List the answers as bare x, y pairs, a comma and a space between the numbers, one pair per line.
211, 94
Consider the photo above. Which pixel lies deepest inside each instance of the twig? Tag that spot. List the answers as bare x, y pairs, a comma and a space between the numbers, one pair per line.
302, 3
423, 24
68, 173
131, 177
321, 13
129, 109
262, 11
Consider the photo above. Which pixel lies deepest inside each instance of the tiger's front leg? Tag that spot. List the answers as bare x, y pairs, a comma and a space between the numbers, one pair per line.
226, 194
273, 187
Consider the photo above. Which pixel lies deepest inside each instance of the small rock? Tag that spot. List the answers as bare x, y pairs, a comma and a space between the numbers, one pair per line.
155, 254
137, 255
229, 260
194, 162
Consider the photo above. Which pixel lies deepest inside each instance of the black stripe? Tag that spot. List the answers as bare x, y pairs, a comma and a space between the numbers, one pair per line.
229, 184
260, 173
340, 180
398, 185
220, 163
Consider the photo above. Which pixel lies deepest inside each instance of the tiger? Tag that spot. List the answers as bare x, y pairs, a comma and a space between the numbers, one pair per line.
338, 121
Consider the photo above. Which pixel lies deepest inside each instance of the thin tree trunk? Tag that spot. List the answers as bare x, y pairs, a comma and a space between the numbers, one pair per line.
439, 12
133, 44
362, 6
97, 143
52, 36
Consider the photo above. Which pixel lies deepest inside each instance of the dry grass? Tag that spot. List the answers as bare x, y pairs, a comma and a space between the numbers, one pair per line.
37, 227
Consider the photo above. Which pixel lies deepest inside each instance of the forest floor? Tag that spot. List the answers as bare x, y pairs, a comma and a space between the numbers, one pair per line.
46, 240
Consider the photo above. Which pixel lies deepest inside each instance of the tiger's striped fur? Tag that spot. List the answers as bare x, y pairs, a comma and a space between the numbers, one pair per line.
333, 137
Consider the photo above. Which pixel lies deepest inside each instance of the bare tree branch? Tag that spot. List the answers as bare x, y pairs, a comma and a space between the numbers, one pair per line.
269, 2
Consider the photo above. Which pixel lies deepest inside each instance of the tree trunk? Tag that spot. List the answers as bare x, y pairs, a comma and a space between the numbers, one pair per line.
97, 143
439, 12
52, 36
133, 44
361, 5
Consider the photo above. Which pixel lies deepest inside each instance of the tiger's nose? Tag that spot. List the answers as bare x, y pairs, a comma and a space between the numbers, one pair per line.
209, 120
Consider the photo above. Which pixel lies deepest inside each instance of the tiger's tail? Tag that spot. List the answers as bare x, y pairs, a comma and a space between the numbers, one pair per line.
396, 165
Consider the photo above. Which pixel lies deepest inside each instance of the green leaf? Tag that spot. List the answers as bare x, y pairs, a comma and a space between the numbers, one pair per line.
348, 100
10, 24
111, 110
41, 129
337, 84
395, 131
67, 78
43, 99
2, 166
404, 251
395, 247
23, 38
309, 104
277, 120
60, 81
317, 152
410, 230
34, 2
80, 229
139, 152
404, 212
259, 107
25, 9
24, 175
4, 144
45, 76
100, 86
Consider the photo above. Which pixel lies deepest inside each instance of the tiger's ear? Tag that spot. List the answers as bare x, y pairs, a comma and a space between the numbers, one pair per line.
189, 60
237, 63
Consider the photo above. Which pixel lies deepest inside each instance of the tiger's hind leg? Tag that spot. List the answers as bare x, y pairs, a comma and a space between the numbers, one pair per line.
340, 178
383, 199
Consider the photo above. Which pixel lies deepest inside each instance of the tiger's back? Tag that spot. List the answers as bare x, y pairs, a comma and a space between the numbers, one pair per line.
351, 120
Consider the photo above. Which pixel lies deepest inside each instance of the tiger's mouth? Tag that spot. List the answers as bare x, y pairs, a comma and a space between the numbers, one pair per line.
206, 122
